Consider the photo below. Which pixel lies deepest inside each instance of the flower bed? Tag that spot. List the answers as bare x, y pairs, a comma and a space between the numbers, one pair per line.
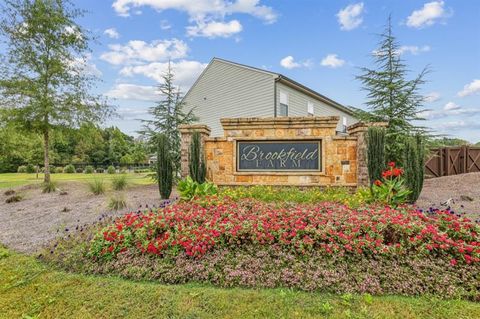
327, 228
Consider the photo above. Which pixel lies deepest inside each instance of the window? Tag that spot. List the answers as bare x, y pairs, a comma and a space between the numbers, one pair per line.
310, 108
344, 122
283, 104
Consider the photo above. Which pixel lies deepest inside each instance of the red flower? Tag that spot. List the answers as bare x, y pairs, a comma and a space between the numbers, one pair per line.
387, 174
453, 262
397, 172
378, 183
391, 164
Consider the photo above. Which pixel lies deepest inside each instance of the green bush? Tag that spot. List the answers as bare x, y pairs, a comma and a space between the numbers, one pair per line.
111, 170
189, 189
196, 159
49, 187
31, 168
79, 170
375, 152
117, 202
22, 169
292, 194
414, 166
69, 169
100, 170
89, 169
97, 187
164, 167
119, 182
59, 169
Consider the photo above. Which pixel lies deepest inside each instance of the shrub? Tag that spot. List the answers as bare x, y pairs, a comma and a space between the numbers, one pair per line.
414, 166
164, 167
375, 152
190, 189
59, 169
97, 186
49, 187
293, 194
89, 169
14, 199
22, 169
117, 202
111, 170
196, 159
31, 168
100, 170
69, 169
79, 170
119, 182
391, 189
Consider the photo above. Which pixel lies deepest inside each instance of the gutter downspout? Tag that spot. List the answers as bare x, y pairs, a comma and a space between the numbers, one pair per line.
277, 78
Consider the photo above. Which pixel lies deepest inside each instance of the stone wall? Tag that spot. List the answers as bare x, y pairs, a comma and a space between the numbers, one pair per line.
343, 156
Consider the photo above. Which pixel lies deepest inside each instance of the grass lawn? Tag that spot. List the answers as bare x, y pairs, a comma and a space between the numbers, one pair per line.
30, 289
8, 180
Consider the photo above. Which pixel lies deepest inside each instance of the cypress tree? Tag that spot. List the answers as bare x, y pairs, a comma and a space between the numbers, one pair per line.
375, 152
411, 168
196, 163
165, 168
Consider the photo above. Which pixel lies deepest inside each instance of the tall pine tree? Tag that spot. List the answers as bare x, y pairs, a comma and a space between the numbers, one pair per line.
167, 116
391, 97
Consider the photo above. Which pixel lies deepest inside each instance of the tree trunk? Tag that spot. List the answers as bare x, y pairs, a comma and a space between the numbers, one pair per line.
46, 159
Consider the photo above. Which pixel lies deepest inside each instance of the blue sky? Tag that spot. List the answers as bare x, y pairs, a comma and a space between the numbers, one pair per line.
318, 43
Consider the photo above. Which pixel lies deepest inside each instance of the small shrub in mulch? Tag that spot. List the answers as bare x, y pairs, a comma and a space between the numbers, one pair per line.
14, 199
9, 192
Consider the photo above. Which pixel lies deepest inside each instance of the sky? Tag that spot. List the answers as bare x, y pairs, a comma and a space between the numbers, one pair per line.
321, 44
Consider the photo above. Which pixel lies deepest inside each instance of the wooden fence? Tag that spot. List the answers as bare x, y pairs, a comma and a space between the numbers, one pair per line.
452, 160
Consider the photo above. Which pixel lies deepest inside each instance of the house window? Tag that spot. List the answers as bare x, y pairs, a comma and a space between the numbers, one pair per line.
344, 124
310, 108
283, 104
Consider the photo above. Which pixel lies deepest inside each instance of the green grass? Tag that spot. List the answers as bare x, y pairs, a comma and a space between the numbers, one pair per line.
8, 180
30, 289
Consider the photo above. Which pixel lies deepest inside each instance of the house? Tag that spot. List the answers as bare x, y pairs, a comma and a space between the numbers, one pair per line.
227, 89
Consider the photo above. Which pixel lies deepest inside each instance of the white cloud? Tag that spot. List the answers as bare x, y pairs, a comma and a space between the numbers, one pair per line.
214, 29
125, 91
350, 16
432, 97
112, 33
449, 109
203, 12
332, 61
137, 51
289, 62
129, 113
186, 72
165, 25
428, 15
451, 106
459, 124
471, 88
413, 49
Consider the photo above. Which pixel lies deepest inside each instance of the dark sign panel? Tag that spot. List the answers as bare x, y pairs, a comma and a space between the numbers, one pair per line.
279, 155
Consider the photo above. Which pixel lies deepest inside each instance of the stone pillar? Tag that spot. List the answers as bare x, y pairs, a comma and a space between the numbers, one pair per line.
186, 132
359, 130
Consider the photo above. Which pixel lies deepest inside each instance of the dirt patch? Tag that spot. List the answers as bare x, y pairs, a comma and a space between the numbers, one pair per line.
459, 192
27, 225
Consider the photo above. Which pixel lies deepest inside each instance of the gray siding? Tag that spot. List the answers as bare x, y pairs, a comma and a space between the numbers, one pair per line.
226, 90
297, 105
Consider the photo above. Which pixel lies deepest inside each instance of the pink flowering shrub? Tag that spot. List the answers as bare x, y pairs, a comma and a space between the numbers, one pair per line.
328, 229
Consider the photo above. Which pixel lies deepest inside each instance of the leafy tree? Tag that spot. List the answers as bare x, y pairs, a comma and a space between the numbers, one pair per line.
168, 115
446, 141
392, 98
43, 79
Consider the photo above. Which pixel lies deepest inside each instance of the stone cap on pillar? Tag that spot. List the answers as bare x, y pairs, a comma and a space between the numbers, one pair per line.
190, 128
363, 127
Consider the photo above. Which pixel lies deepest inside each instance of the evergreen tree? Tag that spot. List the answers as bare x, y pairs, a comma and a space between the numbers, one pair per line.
392, 98
168, 115
43, 82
